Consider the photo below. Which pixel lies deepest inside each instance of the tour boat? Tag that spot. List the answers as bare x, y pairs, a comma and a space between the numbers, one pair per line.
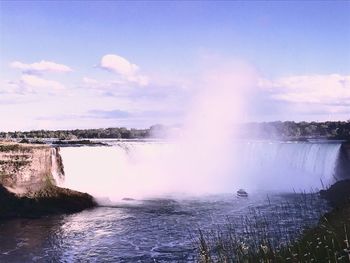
242, 193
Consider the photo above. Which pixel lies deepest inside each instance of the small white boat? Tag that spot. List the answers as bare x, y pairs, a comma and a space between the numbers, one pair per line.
128, 199
242, 193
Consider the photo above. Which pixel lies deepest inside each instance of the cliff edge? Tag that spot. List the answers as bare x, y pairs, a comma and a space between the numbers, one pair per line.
28, 182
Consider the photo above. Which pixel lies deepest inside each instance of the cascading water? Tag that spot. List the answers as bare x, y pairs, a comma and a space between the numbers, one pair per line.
144, 169
56, 167
301, 166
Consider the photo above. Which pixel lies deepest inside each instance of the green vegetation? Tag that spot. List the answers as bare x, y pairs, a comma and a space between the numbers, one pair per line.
14, 148
327, 242
288, 130
297, 130
78, 142
117, 133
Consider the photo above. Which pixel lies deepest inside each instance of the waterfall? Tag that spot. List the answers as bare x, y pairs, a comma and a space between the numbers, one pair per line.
57, 170
283, 165
139, 169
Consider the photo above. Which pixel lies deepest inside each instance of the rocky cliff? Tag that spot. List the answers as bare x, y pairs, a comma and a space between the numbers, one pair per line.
29, 182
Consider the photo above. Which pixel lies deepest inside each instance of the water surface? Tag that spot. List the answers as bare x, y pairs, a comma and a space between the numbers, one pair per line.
154, 230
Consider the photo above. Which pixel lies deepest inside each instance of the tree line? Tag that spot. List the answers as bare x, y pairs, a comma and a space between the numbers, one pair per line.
297, 130
107, 133
263, 130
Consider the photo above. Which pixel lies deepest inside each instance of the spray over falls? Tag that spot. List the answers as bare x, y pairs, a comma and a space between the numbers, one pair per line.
206, 158
148, 169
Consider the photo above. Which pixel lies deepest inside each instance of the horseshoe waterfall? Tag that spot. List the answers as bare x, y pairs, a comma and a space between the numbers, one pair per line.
141, 169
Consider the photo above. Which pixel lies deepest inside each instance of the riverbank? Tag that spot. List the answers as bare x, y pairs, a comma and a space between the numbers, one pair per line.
48, 200
28, 174
327, 242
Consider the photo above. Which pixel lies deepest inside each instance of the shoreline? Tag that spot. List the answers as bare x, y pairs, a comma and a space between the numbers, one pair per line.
328, 241
49, 200
27, 184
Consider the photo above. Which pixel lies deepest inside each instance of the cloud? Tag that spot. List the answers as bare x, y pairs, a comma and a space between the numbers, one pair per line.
98, 115
126, 70
31, 84
154, 97
37, 82
40, 67
89, 81
319, 89
108, 114
119, 65
121, 114
31, 80
91, 114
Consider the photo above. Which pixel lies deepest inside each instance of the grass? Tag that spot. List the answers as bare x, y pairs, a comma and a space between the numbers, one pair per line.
258, 237
14, 148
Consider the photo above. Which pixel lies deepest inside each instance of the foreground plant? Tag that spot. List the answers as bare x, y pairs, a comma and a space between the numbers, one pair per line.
270, 240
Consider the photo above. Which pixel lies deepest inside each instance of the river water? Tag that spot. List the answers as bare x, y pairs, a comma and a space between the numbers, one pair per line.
172, 193
153, 230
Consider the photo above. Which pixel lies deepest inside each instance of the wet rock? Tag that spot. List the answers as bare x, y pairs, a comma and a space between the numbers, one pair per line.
27, 184
48, 200
338, 194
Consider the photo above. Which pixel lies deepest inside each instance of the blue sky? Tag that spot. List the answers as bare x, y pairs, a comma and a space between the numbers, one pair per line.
299, 50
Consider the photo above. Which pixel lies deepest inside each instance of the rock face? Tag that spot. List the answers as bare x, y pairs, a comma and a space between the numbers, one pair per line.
338, 194
29, 175
26, 168
48, 200
343, 162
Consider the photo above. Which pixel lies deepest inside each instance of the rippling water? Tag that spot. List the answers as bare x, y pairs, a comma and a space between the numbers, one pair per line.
155, 230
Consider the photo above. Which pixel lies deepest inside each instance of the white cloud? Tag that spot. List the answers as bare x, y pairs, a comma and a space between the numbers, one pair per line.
125, 69
30, 80
321, 89
42, 66
37, 82
8, 87
119, 65
87, 80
